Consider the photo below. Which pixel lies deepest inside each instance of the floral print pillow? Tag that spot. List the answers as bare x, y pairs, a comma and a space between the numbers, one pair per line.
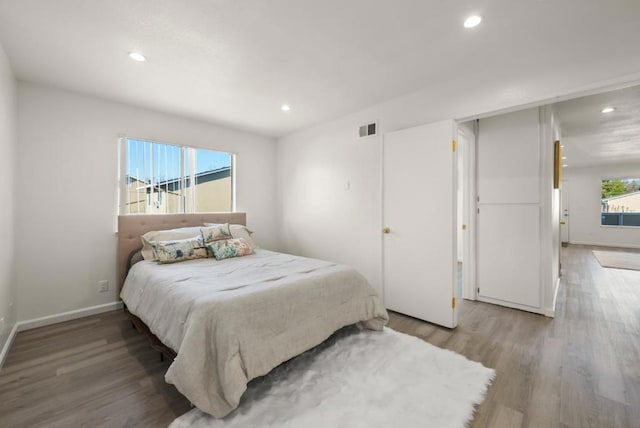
178, 250
226, 248
216, 233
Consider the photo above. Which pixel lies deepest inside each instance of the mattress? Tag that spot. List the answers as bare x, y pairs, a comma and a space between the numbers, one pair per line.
233, 320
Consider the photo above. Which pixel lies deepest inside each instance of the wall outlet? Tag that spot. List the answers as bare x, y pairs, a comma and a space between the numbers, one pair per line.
103, 285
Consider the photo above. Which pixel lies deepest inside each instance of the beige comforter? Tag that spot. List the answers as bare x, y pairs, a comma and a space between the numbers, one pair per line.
233, 320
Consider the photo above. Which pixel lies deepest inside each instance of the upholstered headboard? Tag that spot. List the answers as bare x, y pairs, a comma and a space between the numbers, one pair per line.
132, 227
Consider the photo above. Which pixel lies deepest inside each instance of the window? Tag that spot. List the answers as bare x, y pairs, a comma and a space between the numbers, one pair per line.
157, 178
620, 202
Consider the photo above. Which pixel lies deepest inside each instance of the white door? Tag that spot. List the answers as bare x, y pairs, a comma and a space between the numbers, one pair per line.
508, 215
419, 215
564, 212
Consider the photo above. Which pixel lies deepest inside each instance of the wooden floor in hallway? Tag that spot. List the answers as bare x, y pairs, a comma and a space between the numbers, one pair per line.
581, 369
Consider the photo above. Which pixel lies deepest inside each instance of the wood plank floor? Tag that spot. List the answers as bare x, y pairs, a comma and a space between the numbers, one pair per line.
581, 369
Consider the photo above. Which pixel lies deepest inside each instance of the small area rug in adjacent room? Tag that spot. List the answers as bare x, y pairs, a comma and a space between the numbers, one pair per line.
362, 379
618, 259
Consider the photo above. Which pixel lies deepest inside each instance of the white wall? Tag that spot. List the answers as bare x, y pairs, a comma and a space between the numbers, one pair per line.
584, 205
329, 190
66, 186
7, 197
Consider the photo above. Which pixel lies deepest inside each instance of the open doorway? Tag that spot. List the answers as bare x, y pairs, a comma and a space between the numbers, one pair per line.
601, 167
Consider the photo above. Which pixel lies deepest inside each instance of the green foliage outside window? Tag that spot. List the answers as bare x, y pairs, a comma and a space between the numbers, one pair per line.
618, 187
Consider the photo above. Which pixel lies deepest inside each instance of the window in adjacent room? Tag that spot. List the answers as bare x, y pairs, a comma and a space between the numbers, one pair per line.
620, 202
158, 178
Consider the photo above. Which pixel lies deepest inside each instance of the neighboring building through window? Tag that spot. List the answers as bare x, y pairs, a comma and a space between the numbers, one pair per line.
620, 202
157, 178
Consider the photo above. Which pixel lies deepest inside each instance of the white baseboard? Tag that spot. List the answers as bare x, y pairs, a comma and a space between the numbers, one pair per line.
605, 244
67, 316
7, 344
551, 312
510, 305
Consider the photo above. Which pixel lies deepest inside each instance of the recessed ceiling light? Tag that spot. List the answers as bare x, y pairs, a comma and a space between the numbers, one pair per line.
608, 110
564, 165
472, 21
564, 157
137, 56
285, 107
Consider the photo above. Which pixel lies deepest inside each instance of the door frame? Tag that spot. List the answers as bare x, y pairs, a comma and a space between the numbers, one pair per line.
565, 211
469, 207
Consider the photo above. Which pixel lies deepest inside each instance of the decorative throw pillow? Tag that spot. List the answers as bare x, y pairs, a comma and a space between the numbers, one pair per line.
167, 235
226, 248
239, 231
216, 233
178, 251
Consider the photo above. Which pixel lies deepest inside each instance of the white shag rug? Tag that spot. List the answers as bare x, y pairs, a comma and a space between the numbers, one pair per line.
362, 379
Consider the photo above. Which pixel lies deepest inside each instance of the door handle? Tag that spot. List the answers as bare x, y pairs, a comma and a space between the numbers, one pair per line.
563, 222
386, 230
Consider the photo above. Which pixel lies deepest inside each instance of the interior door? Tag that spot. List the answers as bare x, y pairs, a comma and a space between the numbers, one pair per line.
508, 209
564, 212
419, 215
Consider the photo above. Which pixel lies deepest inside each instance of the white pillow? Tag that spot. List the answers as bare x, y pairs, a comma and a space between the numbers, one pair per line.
167, 235
238, 231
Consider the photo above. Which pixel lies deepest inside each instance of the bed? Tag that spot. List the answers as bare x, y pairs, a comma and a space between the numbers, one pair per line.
226, 322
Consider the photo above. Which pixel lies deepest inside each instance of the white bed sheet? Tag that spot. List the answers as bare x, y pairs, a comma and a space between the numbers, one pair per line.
236, 319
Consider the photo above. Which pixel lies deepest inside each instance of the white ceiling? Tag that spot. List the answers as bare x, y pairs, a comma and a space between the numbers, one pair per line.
593, 138
236, 61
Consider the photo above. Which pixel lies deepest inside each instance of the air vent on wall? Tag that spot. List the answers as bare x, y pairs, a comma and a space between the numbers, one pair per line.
368, 130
